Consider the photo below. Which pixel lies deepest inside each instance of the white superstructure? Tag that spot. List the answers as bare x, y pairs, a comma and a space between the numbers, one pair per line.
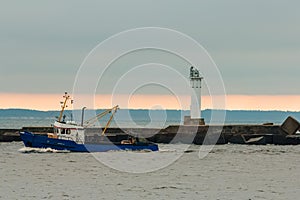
69, 131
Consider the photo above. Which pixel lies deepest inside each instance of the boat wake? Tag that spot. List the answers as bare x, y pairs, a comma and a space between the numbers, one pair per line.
41, 150
129, 150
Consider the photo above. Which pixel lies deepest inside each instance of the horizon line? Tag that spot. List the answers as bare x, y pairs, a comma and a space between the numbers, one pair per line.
207, 109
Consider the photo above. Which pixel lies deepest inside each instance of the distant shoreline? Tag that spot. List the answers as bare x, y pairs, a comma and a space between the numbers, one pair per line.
145, 109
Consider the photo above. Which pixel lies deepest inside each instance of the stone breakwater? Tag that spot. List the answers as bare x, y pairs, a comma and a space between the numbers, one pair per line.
285, 134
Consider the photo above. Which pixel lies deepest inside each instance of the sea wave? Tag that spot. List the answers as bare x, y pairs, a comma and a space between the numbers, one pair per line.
41, 150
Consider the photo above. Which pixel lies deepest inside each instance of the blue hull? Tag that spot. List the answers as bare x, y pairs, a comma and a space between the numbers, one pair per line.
40, 141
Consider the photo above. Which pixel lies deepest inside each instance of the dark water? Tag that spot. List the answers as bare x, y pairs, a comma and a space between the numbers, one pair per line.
227, 172
17, 118
175, 172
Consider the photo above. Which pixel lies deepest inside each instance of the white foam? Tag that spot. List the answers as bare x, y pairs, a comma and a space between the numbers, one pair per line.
41, 150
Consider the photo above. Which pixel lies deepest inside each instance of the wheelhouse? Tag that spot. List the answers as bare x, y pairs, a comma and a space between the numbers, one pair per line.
69, 131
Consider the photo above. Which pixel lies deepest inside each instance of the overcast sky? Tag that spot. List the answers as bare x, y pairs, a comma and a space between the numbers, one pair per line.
255, 44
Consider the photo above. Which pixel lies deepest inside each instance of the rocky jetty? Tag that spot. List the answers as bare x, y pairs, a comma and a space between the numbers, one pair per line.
285, 134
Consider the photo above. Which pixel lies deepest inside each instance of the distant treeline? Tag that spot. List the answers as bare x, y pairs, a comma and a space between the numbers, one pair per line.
232, 116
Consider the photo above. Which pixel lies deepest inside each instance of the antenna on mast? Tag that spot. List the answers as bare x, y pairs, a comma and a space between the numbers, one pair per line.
64, 105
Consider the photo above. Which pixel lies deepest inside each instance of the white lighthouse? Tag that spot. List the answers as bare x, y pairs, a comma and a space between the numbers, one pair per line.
195, 107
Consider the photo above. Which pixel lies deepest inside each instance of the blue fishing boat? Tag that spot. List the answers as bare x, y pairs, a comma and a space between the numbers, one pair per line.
72, 137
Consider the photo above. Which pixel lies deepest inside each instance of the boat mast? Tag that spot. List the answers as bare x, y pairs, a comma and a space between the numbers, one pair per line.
64, 105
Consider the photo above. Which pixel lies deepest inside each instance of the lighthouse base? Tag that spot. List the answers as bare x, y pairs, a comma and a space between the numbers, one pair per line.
195, 122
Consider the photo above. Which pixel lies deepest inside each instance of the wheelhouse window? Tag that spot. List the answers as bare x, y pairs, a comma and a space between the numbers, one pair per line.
63, 131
